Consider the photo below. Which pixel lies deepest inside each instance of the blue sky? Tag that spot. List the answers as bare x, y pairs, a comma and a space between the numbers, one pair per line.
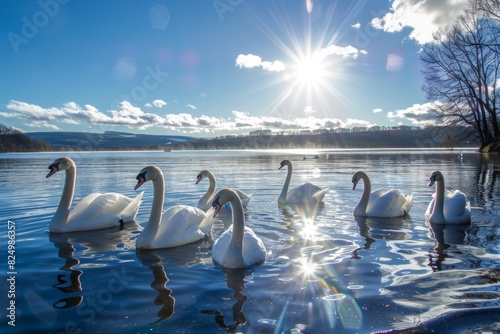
215, 67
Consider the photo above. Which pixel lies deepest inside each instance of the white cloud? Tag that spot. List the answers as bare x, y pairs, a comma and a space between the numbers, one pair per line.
343, 51
250, 61
417, 114
133, 117
274, 66
350, 122
356, 25
423, 17
377, 110
43, 124
191, 106
309, 109
156, 103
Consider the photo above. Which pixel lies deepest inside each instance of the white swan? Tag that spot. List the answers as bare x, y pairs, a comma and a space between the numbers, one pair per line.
206, 200
96, 211
178, 225
238, 246
381, 202
305, 194
450, 209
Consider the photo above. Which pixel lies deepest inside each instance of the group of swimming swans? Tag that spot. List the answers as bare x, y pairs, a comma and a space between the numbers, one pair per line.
238, 246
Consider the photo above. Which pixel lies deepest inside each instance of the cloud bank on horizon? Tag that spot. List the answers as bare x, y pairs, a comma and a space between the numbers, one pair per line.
413, 19
134, 117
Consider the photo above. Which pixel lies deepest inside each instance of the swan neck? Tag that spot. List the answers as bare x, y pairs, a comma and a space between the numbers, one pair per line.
62, 213
157, 208
238, 224
365, 197
284, 191
439, 200
211, 186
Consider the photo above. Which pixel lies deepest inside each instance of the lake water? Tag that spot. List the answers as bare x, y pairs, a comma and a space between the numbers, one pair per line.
334, 275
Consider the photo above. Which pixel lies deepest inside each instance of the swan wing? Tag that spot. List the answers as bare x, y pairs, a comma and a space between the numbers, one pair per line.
388, 203
304, 194
221, 245
179, 226
254, 250
130, 212
97, 211
245, 198
456, 208
318, 195
205, 202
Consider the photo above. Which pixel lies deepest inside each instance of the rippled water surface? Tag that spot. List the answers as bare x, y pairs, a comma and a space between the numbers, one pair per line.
330, 274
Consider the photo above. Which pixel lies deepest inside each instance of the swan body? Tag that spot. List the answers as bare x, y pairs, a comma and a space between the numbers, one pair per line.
206, 200
176, 226
94, 212
238, 246
381, 202
305, 194
449, 208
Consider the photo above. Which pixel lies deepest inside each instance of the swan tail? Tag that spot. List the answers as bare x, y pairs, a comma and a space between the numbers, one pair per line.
408, 204
245, 201
130, 212
207, 223
318, 195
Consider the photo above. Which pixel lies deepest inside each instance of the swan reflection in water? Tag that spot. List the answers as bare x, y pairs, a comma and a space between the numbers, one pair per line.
66, 251
235, 281
93, 242
445, 235
153, 260
373, 228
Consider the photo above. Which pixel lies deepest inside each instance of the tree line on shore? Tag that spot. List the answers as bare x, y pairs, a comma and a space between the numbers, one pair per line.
427, 138
12, 140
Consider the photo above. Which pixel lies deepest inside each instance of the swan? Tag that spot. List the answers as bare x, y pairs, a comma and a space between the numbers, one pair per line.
305, 194
176, 226
381, 202
238, 246
450, 209
206, 200
94, 212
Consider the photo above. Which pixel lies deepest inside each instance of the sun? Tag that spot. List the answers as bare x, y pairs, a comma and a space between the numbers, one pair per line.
315, 65
310, 72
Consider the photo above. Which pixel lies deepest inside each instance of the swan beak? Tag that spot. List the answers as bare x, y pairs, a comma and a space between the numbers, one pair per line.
53, 169
216, 210
354, 183
198, 179
217, 206
140, 182
431, 181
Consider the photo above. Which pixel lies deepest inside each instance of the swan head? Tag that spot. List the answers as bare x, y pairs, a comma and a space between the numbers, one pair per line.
436, 176
222, 197
203, 174
60, 164
284, 163
355, 179
147, 174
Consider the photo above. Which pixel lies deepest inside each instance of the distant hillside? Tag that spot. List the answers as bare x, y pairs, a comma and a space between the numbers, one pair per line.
14, 141
112, 140
426, 138
109, 140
